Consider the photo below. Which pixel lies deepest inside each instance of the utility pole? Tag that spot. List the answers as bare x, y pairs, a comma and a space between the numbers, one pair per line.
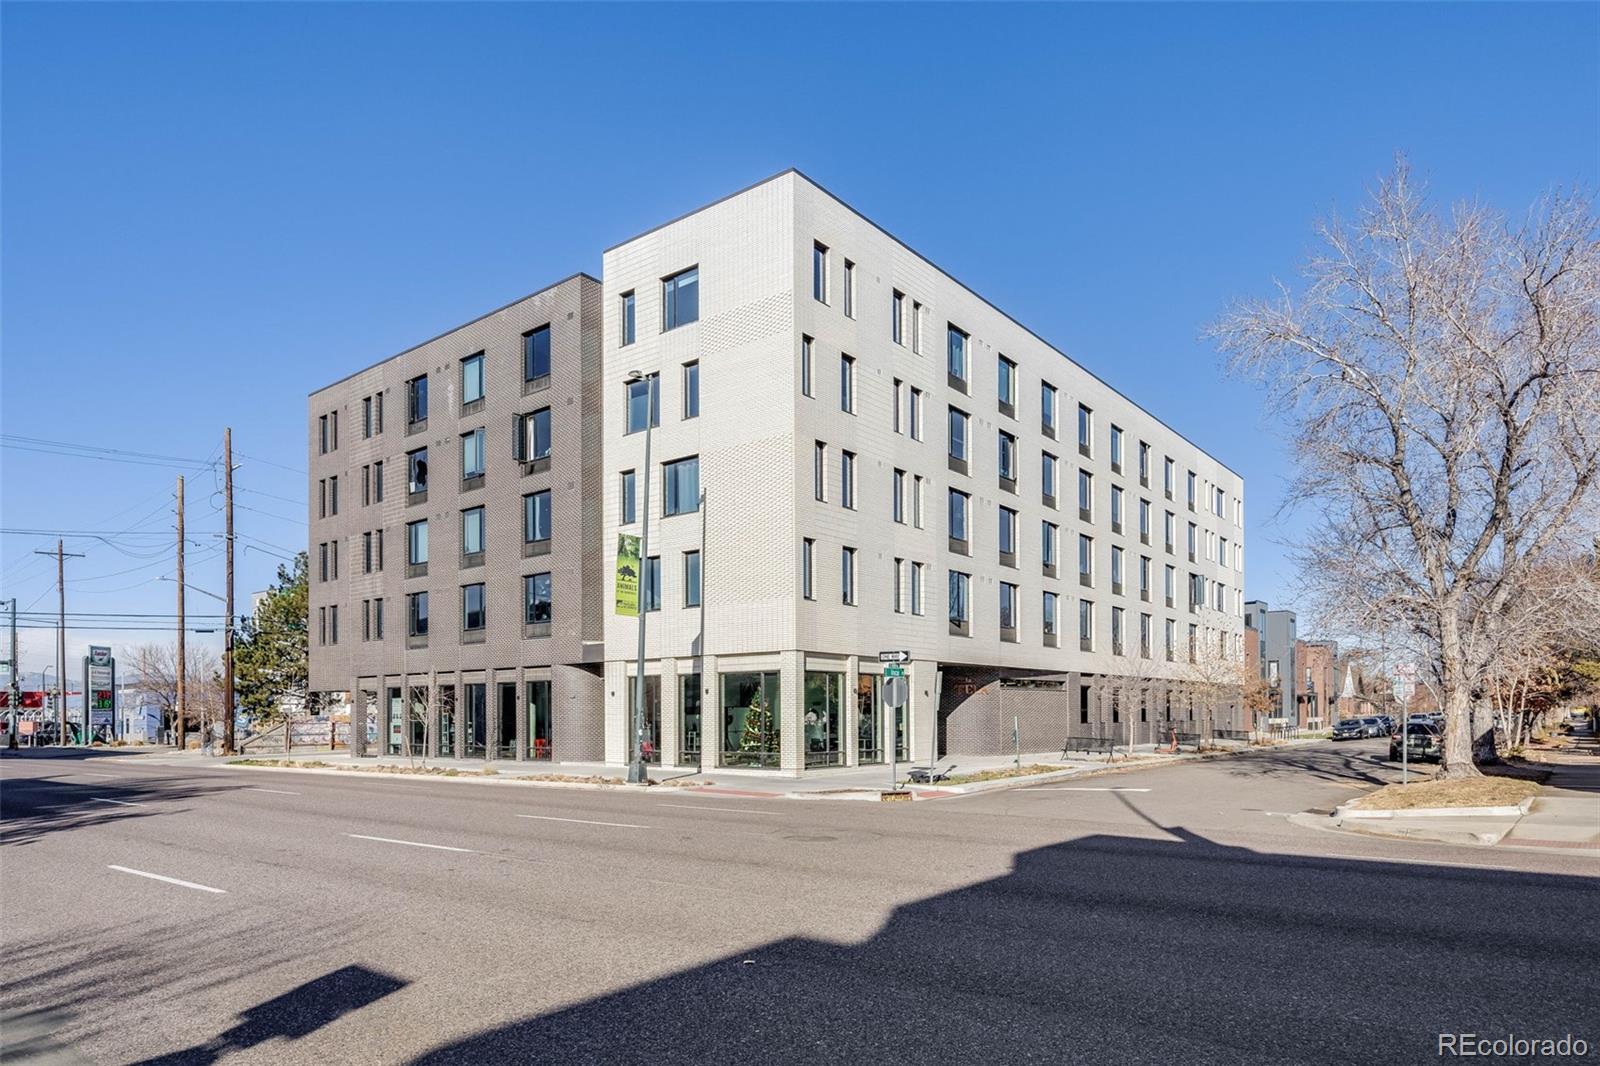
227, 643
181, 702
62, 556
16, 680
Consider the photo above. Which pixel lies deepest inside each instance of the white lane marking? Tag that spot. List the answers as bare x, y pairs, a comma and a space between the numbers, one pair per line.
274, 791
168, 880
706, 807
582, 821
1063, 788
119, 803
86, 773
410, 843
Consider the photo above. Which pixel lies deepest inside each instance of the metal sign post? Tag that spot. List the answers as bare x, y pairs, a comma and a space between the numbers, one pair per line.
896, 691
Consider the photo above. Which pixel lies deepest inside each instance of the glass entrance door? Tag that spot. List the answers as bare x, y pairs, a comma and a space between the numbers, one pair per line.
446, 729
689, 723
823, 719
507, 700
869, 719
538, 719
477, 713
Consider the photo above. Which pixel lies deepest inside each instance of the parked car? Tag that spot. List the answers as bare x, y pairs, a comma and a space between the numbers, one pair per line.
1423, 743
1373, 726
1349, 729
1388, 724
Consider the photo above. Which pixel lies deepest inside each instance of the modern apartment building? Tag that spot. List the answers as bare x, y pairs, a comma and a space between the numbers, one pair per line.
1276, 637
849, 452
853, 452
455, 585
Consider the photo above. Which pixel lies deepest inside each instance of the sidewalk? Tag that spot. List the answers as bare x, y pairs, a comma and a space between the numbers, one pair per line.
1564, 815
843, 783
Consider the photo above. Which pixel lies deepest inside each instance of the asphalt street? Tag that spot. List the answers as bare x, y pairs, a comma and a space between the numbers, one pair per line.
157, 911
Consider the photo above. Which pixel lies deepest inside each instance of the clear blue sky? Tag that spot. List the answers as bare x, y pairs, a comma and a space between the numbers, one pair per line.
210, 210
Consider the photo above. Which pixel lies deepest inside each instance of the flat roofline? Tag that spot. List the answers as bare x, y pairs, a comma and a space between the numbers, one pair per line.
453, 329
979, 296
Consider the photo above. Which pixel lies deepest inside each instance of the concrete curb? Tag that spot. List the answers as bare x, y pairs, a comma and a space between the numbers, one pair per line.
464, 779
1503, 811
1387, 831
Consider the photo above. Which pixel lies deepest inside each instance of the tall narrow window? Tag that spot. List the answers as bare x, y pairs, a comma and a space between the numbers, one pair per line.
377, 481
819, 471
1085, 430
1006, 382
1047, 614
1047, 408
847, 479
916, 500
916, 588
916, 413
417, 400
1008, 531
417, 542
958, 515
819, 272
805, 365
849, 289
1008, 456
1168, 469
1085, 625
847, 575
1048, 532
333, 495
682, 478
1008, 605
899, 421
629, 334
417, 471
691, 579
533, 436
898, 504
377, 412
1085, 559
959, 588
1144, 464
472, 531
680, 299
897, 317
472, 610
644, 401
538, 605
916, 327
536, 517
899, 599
417, 614
630, 498
472, 464
847, 383
1085, 495
1047, 477
366, 417
472, 378
957, 354
1116, 449
1116, 509
958, 434
691, 390
652, 583
807, 563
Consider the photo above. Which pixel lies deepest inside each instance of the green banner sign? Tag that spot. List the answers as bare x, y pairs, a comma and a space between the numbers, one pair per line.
628, 567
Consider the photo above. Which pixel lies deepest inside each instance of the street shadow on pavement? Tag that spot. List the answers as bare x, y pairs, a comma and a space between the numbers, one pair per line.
1110, 949
1357, 765
55, 800
297, 1013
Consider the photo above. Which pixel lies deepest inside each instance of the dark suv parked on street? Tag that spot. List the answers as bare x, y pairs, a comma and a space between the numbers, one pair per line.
1423, 742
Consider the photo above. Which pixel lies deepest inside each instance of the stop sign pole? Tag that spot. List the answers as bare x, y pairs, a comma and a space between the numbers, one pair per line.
896, 691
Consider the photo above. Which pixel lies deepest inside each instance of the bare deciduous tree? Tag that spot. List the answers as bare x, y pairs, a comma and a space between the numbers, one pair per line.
1440, 377
153, 669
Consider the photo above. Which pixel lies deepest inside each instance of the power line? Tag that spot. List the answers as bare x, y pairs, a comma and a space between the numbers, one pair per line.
13, 440
269, 462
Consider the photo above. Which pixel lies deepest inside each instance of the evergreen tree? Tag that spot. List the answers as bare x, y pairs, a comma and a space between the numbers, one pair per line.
270, 658
757, 726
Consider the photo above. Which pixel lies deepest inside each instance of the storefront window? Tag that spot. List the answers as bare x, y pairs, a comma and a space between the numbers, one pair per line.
824, 719
507, 700
869, 718
477, 713
539, 719
750, 717
394, 718
689, 720
417, 721
447, 722
652, 715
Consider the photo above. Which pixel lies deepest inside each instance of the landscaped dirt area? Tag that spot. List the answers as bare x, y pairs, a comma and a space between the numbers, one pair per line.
1478, 792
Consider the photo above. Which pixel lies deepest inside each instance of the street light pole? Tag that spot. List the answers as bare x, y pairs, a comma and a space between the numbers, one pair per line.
637, 774
16, 680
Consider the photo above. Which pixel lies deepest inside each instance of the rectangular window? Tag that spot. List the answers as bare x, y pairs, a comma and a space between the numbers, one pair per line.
847, 383
1116, 449
1047, 613
472, 378
644, 401
1170, 637
960, 587
899, 600
472, 611
629, 334
847, 479
366, 485
1144, 464
958, 515
1008, 531
958, 354
1144, 521
849, 289
417, 542
417, 400
916, 588
1191, 489
819, 272
682, 479
899, 422
630, 499
1006, 383
691, 579
322, 498
1171, 584
1085, 430
538, 605
472, 531
322, 561
1144, 636
322, 626
1008, 456
1218, 507
897, 317
819, 471
366, 620
1047, 476
1116, 508
807, 561
1116, 569
1085, 625
1047, 408
417, 471
1144, 577
847, 575
916, 413
958, 434
417, 614
366, 417
333, 559
1048, 534
333, 624
898, 504
916, 327
1085, 559
536, 354
322, 435
377, 481
1085, 495
680, 299
691, 390
805, 365
377, 540
652, 583
366, 552
1168, 474
333, 495
1116, 630
916, 500
1169, 528
472, 454
377, 619
377, 412
536, 517
1008, 605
